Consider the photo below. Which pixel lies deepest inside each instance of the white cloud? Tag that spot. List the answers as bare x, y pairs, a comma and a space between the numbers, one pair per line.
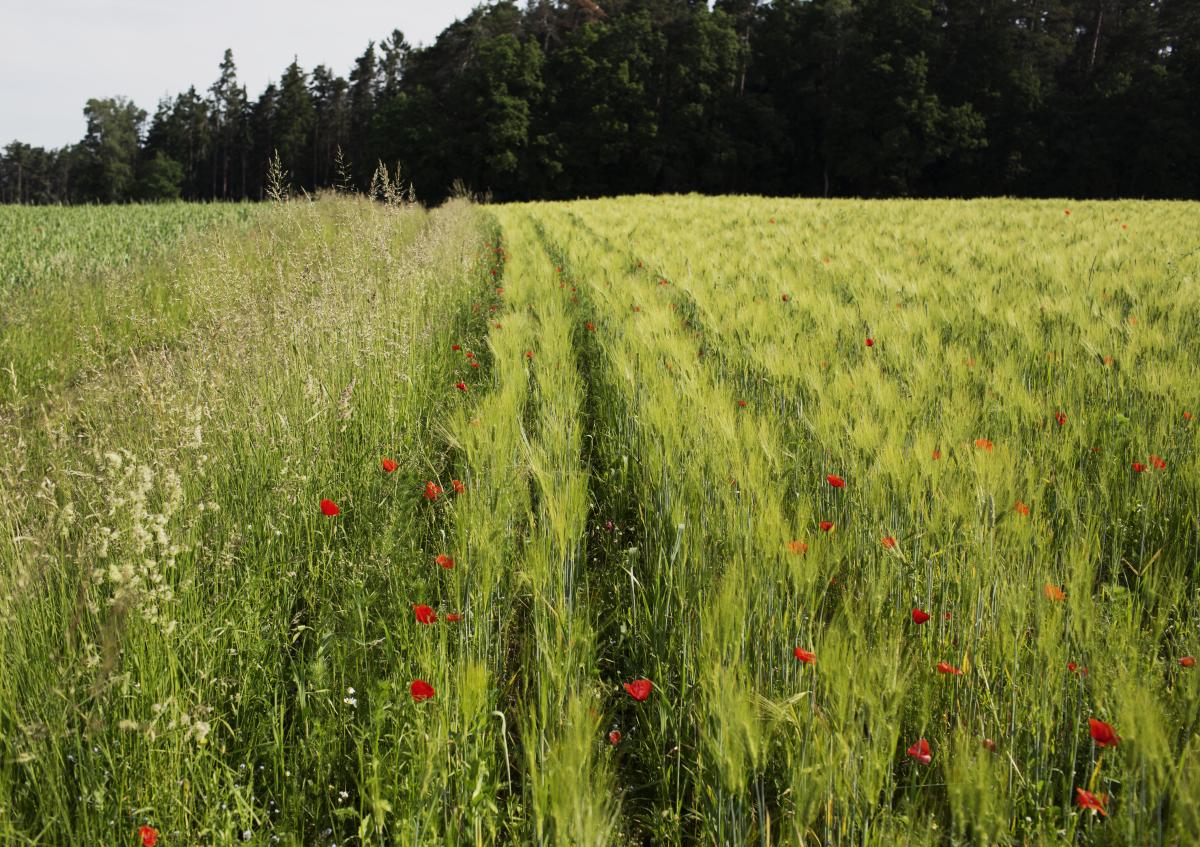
58, 53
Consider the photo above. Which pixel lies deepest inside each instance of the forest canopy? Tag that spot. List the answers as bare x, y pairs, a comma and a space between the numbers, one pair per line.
580, 98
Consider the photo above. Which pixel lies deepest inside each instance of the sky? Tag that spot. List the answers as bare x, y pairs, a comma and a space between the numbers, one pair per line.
55, 54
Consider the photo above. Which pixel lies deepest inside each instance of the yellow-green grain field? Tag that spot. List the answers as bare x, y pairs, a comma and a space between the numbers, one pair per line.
683, 521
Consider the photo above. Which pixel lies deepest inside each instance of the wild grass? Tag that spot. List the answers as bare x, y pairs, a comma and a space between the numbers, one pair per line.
182, 626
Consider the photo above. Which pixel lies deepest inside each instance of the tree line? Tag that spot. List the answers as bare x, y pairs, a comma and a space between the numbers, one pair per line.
576, 98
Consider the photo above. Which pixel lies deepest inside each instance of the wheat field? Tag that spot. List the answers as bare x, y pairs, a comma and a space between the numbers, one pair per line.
674, 520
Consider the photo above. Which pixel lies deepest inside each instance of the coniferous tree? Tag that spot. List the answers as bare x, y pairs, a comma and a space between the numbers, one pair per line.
364, 83
395, 49
292, 124
228, 116
181, 130
330, 122
263, 146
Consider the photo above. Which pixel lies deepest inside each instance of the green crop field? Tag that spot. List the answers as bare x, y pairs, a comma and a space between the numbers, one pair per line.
678, 520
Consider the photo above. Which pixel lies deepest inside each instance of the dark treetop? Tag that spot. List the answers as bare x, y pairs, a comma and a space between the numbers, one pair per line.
571, 98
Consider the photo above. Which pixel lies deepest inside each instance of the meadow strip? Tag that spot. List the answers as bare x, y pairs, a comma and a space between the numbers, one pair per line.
194, 644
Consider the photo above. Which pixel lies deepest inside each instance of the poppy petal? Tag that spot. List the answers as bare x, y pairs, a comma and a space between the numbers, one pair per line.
421, 691
639, 689
921, 752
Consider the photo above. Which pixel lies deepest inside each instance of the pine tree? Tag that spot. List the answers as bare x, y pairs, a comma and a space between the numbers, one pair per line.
364, 81
330, 122
227, 116
263, 145
292, 124
395, 50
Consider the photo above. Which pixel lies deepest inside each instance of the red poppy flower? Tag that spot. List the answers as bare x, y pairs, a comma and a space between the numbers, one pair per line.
741, 404
1053, 592
389, 465
445, 561
461, 386
591, 327
1021, 508
984, 444
453, 618
870, 342
639, 689
148, 835
457, 485
1158, 462
919, 617
947, 668
888, 542
662, 282
421, 690
797, 547
1073, 668
1103, 734
989, 744
470, 355
1061, 418
804, 656
329, 508
1187, 416
424, 614
1088, 801
1138, 467
826, 526
614, 737
836, 481
528, 354
432, 490
455, 346
937, 454
1188, 662
921, 752
474, 364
